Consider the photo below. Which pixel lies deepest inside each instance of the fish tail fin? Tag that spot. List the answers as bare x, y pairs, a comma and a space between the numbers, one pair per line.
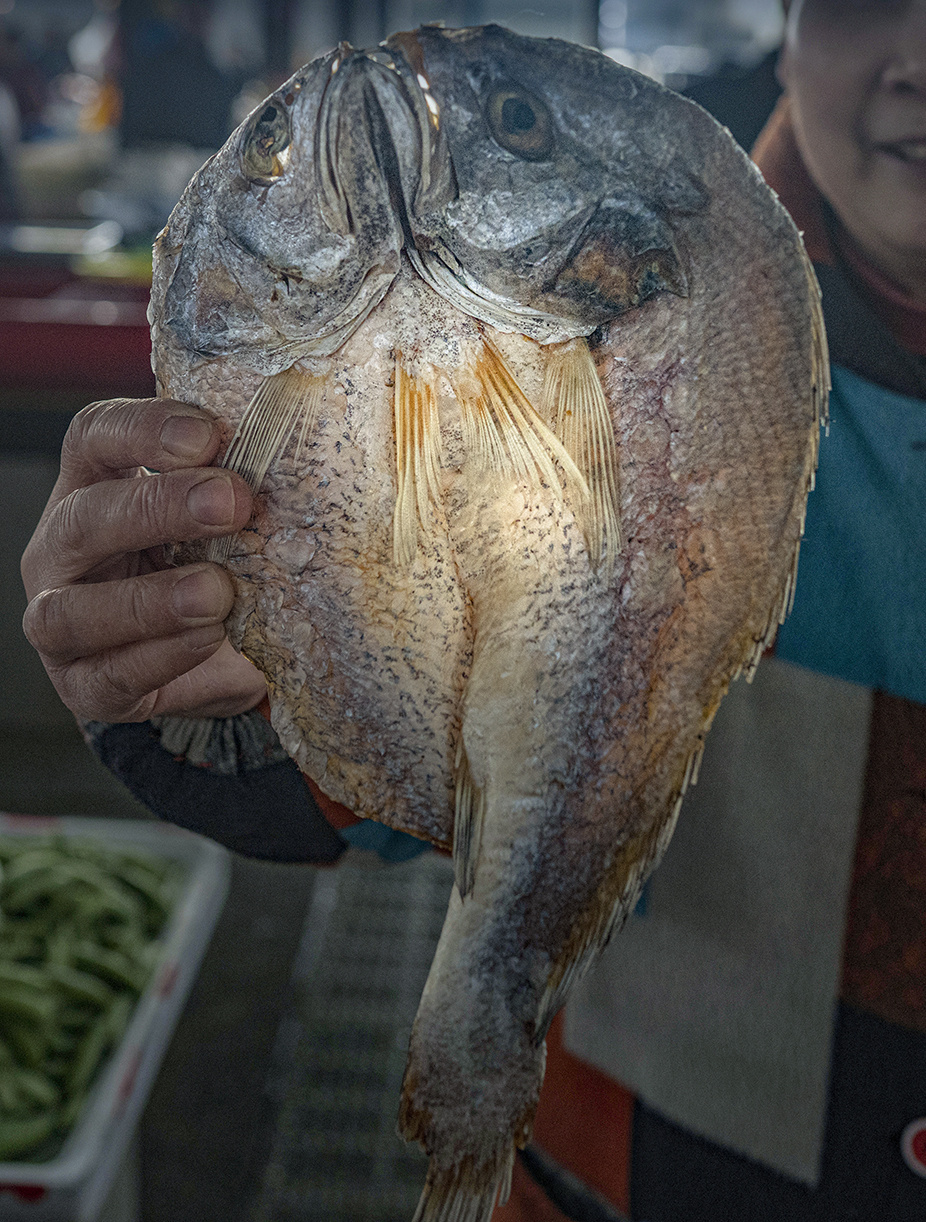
457, 1194
574, 401
418, 459
282, 401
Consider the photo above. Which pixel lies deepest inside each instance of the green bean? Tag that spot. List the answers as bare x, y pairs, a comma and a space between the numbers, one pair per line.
116, 967
77, 923
90, 1051
79, 985
17, 1136
27, 1041
36, 1088
24, 1001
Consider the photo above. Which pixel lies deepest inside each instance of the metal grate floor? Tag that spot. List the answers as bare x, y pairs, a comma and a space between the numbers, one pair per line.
368, 943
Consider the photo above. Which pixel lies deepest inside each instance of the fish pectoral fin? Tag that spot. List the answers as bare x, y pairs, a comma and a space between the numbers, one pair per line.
417, 458
502, 430
456, 1194
468, 822
574, 401
268, 422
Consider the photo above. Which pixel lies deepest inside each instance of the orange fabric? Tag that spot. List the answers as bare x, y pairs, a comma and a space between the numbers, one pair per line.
904, 317
778, 157
336, 814
583, 1122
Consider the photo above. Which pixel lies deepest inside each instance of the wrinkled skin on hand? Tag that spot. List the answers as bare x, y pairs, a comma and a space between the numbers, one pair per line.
123, 634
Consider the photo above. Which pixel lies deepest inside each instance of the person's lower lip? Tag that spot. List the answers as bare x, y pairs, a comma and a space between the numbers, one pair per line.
910, 158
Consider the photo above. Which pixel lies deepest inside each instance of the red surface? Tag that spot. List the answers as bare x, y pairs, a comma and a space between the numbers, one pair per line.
584, 1123
26, 1192
59, 332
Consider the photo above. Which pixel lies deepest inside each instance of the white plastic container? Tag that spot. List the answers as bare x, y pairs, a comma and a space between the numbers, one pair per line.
73, 1186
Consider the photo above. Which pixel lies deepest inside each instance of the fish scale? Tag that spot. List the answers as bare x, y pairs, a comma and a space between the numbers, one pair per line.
538, 409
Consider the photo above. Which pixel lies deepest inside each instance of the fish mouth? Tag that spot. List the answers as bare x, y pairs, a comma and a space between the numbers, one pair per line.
377, 110
402, 135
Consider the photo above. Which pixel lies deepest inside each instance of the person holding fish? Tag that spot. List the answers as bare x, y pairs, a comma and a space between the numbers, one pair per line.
698, 1073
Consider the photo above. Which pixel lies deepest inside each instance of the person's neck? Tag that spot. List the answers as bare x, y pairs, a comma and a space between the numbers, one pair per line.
905, 274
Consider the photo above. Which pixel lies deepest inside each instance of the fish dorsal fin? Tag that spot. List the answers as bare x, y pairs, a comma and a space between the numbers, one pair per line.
502, 430
281, 402
574, 401
417, 458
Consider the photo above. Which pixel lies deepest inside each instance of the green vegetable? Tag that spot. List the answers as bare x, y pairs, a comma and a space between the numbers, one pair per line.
77, 924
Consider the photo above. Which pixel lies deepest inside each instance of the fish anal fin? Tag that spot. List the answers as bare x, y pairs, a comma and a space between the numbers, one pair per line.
503, 431
418, 459
574, 401
281, 402
467, 826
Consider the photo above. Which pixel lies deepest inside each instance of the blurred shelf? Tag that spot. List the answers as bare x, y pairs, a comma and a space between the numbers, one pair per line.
66, 340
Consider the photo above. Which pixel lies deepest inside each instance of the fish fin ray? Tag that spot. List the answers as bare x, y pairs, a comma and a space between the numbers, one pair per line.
282, 401
467, 827
504, 431
418, 459
458, 1194
640, 857
574, 401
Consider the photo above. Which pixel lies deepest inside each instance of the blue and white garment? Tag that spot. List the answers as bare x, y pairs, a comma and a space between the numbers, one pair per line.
715, 1005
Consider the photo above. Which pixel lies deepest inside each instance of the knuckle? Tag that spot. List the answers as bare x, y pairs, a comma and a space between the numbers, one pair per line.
151, 506
70, 527
117, 692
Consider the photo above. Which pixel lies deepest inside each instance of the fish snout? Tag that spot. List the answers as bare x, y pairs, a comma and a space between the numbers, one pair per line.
379, 120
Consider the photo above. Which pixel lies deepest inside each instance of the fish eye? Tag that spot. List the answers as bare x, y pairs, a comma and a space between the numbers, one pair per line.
264, 154
520, 123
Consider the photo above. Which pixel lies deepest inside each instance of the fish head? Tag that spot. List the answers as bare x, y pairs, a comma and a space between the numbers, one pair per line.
534, 184
288, 237
569, 182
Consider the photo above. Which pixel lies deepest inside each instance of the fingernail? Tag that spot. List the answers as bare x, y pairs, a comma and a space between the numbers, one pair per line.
185, 436
212, 501
199, 595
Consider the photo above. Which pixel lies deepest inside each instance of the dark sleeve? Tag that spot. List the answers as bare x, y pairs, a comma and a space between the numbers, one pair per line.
226, 778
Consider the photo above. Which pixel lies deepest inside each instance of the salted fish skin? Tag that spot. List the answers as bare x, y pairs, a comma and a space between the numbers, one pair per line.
579, 696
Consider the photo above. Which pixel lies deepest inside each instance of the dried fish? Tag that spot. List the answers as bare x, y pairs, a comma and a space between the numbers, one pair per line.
528, 365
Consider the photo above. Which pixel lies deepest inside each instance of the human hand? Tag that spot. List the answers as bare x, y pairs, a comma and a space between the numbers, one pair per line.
123, 635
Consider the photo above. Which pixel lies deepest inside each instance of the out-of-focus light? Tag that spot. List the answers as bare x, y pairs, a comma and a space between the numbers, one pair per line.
635, 59
673, 60
78, 88
612, 14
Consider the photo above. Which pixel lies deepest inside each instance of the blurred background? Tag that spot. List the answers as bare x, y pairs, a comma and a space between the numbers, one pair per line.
278, 1093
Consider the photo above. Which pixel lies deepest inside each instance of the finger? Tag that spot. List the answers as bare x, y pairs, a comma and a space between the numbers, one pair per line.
225, 684
94, 524
123, 684
76, 621
122, 434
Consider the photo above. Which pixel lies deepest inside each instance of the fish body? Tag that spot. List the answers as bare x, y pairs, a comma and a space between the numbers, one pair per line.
528, 367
